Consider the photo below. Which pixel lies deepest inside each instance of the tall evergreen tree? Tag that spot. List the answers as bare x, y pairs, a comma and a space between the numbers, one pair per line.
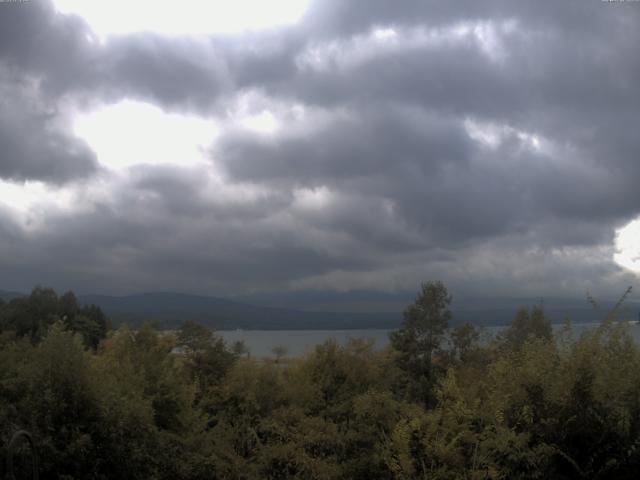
421, 334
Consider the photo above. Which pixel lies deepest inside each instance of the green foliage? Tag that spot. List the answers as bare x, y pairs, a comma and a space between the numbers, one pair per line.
194, 337
146, 404
420, 337
464, 339
206, 355
239, 348
31, 317
279, 352
525, 325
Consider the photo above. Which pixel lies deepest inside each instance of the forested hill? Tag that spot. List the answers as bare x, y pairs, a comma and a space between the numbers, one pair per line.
170, 309
8, 295
332, 311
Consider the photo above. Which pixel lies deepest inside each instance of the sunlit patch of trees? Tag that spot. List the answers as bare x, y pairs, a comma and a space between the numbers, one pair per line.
437, 403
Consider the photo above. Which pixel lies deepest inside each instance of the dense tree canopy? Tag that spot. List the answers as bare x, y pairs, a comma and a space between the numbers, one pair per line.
149, 404
32, 316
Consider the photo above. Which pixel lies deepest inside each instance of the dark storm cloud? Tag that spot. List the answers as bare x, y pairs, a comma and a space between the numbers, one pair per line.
334, 18
261, 59
145, 244
566, 73
439, 183
35, 145
178, 73
435, 78
38, 52
549, 79
57, 49
383, 180
176, 191
69, 59
370, 142
371, 221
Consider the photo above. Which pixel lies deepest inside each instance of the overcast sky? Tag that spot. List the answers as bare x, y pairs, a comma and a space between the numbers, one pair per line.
329, 144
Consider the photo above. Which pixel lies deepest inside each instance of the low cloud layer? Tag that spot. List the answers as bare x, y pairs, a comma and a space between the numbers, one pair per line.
368, 146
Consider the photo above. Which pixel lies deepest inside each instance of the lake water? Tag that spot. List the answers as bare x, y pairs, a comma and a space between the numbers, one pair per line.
299, 342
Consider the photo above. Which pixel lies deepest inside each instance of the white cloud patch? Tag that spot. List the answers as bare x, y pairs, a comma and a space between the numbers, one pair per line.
312, 198
31, 203
341, 55
628, 247
257, 113
183, 17
493, 135
131, 133
263, 122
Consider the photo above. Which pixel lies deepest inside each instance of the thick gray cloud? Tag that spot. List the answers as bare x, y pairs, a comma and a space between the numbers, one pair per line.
35, 143
69, 59
39, 52
56, 49
369, 142
490, 144
178, 73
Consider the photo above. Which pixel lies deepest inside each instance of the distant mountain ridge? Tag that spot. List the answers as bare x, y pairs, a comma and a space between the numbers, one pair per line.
477, 310
170, 309
321, 310
7, 295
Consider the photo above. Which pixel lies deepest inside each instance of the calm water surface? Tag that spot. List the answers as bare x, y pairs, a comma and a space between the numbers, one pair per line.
299, 342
